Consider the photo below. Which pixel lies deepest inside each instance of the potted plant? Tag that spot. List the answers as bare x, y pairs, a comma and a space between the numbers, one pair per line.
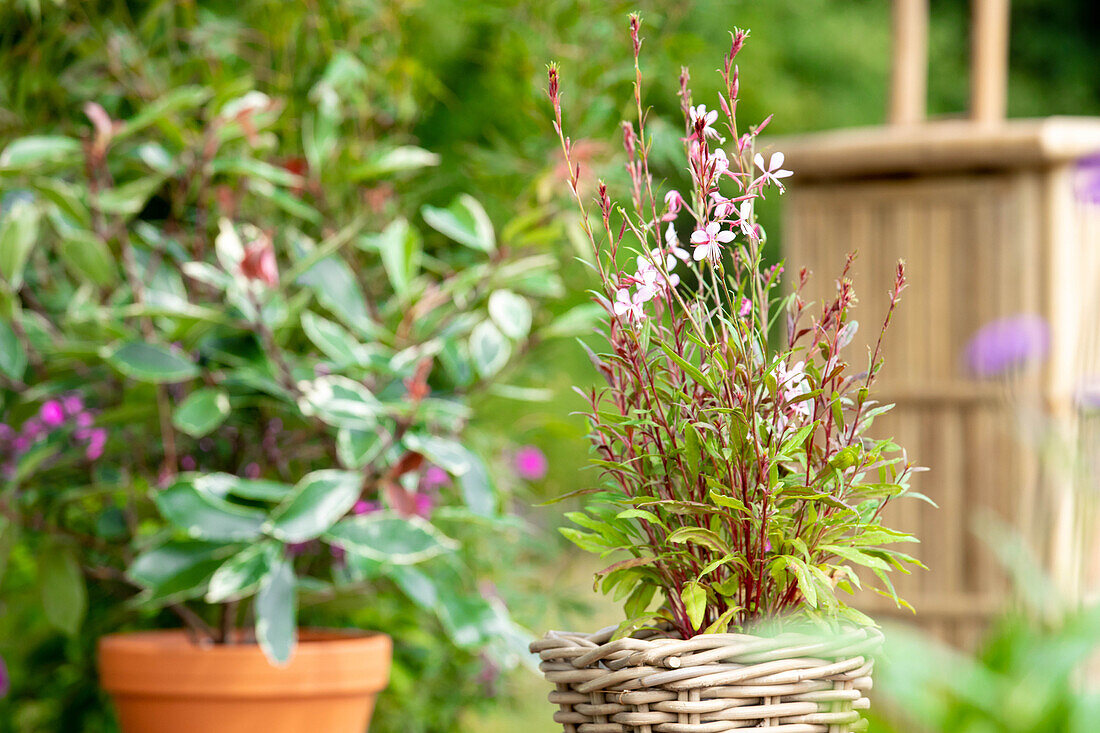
740, 488
225, 422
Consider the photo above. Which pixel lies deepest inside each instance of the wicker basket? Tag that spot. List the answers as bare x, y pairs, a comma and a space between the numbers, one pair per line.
714, 682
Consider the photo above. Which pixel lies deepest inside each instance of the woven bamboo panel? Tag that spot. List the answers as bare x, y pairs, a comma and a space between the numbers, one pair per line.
980, 245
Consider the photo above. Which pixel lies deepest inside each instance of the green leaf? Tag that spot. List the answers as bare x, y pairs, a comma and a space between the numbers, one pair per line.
202, 411
577, 321
700, 536
340, 402
320, 499
389, 538
18, 234
220, 485
464, 221
332, 339
489, 349
400, 248
277, 613
722, 623
382, 163
694, 597
26, 152
252, 168
178, 99
511, 313
61, 584
147, 362
449, 455
477, 489
240, 576
207, 517
87, 257
337, 289
357, 448
130, 198
693, 371
176, 570
803, 577
13, 358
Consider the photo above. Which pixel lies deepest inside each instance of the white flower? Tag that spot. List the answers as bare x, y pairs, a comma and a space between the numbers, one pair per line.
744, 220
720, 162
673, 203
773, 171
708, 118
707, 241
672, 241
792, 385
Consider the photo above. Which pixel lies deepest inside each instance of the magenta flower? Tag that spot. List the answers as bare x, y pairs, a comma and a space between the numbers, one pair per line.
423, 505
434, 478
188, 463
530, 463
366, 507
52, 413
97, 440
72, 404
1007, 344
708, 241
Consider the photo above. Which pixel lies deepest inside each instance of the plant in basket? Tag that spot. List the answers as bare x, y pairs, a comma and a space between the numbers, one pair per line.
220, 402
740, 488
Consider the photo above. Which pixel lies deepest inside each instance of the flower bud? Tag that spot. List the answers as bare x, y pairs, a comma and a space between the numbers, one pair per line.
259, 262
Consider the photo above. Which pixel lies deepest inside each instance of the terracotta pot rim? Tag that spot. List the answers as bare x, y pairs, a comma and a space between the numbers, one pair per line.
334, 662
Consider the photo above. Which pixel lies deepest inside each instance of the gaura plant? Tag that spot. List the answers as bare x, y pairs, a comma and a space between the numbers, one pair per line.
220, 399
731, 433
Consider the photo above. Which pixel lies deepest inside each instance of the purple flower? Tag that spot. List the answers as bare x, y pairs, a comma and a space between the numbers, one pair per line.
85, 419
97, 439
1088, 179
34, 429
5, 680
530, 463
294, 549
188, 463
52, 413
1007, 344
21, 444
252, 470
435, 477
6, 432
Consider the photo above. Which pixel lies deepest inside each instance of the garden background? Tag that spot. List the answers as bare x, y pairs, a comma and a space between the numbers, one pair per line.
463, 80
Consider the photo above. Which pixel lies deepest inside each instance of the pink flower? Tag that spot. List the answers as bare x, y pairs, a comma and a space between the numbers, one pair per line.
773, 171
259, 262
435, 477
707, 241
188, 463
97, 440
673, 203
252, 470
531, 463
34, 429
84, 419
629, 305
746, 307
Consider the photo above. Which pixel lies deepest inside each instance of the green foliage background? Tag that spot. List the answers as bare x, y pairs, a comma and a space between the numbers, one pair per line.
464, 79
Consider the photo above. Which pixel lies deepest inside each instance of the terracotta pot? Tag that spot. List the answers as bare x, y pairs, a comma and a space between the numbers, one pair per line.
163, 683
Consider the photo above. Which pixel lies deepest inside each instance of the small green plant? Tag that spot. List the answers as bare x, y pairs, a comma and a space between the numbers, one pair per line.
731, 433
219, 394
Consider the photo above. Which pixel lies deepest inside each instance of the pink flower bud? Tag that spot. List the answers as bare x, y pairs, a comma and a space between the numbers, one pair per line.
530, 463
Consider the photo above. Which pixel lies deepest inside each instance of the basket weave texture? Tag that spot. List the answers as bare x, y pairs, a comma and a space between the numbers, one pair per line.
650, 683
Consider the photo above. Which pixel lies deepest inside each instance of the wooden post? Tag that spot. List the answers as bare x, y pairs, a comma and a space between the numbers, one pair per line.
989, 61
909, 70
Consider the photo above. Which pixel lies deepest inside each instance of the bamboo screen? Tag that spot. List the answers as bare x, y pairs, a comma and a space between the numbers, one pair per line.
982, 241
